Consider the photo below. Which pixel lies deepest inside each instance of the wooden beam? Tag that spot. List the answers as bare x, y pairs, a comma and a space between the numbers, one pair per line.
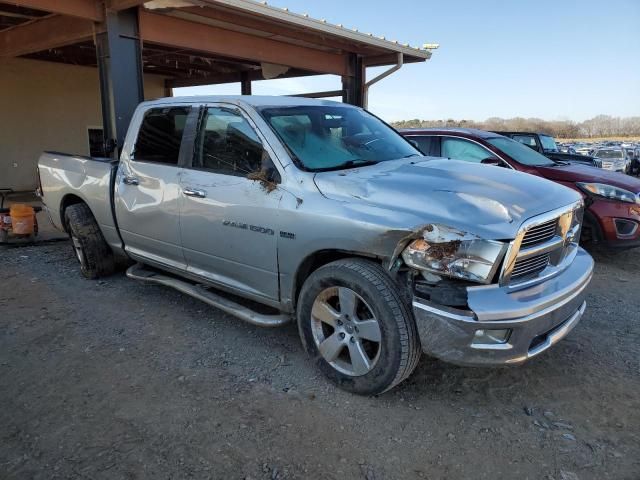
87, 9
175, 32
50, 32
390, 59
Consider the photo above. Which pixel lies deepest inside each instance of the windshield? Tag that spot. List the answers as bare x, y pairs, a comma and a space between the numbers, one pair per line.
609, 154
332, 137
520, 153
548, 143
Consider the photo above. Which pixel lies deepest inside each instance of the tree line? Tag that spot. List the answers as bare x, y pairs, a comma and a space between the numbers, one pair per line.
599, 126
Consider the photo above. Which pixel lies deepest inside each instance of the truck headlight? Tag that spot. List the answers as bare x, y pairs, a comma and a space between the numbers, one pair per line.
609, 191
472, 259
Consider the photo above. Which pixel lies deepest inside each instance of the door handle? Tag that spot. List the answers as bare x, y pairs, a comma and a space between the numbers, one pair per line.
128, 180
194, 192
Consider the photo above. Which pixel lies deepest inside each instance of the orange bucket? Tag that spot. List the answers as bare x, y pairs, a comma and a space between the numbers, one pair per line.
22, 219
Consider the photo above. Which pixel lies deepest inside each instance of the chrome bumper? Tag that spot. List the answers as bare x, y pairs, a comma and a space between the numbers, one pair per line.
537, 317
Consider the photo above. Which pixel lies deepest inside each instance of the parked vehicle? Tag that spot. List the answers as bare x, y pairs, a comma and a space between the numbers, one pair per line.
321, 211
546, 145
584, 150
635, 162
612, 200
613, 158
567, 149
632, 154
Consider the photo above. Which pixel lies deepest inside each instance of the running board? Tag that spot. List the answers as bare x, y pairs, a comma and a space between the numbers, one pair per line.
140, 272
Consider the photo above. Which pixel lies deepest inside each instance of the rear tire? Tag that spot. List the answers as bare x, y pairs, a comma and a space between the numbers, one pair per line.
338, 298
89, 246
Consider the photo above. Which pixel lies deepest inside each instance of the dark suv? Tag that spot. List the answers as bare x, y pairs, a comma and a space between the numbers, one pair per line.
612, 217
546, 145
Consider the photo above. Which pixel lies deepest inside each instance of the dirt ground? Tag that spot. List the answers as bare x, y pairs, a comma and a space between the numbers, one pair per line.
115, 379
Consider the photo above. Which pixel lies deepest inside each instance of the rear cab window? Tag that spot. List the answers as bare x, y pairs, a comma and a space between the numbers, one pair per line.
160, 135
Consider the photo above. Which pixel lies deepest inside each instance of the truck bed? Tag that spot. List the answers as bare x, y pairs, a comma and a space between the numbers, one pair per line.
65, 178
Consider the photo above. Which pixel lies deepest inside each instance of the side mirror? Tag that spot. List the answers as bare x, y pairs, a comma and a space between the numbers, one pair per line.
272, 174
268, 174
496, 162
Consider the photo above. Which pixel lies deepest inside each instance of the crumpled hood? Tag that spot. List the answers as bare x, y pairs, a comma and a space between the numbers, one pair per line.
488, 201
586, 173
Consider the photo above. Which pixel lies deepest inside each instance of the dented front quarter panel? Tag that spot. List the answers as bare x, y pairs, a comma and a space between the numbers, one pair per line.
377, 210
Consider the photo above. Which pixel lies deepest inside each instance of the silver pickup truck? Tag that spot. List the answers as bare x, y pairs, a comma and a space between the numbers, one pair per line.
274, 208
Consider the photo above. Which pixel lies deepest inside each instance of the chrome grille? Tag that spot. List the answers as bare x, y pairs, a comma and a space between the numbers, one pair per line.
530, 266
540, 233
543, 246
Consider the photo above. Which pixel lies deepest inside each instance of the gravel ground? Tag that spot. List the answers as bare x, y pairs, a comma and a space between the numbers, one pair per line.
116, 379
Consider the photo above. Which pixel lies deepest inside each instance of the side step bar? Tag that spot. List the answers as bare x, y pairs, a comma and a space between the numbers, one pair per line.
140, 272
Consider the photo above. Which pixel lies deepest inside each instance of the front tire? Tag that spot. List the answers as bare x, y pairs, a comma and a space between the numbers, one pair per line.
89, 246
356, 326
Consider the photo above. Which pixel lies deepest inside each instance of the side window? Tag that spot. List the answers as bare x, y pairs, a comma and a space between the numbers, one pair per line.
459, 149
227, 144
528, 140
160, 135
424, 144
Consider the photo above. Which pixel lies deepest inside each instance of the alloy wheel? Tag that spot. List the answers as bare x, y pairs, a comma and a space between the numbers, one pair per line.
346, 331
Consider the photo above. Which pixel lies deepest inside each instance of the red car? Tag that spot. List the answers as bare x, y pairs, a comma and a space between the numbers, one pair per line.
612, 199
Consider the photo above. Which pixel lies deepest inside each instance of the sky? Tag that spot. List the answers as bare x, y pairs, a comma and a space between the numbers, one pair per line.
552, 59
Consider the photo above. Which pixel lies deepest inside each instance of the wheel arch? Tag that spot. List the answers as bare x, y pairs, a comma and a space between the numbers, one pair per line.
68, 200
591, 223
318, 259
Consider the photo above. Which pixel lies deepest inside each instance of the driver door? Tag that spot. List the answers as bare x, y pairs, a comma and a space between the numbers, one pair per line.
229, 221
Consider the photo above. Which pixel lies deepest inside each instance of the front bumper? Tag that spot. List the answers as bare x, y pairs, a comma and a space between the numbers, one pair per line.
602, 215
537, 317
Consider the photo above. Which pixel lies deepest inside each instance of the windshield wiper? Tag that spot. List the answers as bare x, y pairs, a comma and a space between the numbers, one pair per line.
348, 164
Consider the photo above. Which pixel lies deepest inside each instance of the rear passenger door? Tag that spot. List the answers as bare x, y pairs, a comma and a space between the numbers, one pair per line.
229, 205
147, 189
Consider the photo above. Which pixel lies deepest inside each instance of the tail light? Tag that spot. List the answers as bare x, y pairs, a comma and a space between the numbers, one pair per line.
39, 191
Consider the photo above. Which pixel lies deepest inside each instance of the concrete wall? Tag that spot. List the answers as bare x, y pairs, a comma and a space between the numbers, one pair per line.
47, 106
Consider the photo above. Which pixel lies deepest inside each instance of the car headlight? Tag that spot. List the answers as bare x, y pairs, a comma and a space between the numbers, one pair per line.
445, 251
609, 191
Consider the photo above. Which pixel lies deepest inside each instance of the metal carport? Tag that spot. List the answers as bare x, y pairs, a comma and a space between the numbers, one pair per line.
190, 42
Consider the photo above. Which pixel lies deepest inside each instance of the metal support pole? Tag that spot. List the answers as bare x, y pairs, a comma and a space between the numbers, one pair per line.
353, 84
119, 58
245, 83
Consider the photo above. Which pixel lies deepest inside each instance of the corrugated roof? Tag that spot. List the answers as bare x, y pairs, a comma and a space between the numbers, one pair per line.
304, 21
